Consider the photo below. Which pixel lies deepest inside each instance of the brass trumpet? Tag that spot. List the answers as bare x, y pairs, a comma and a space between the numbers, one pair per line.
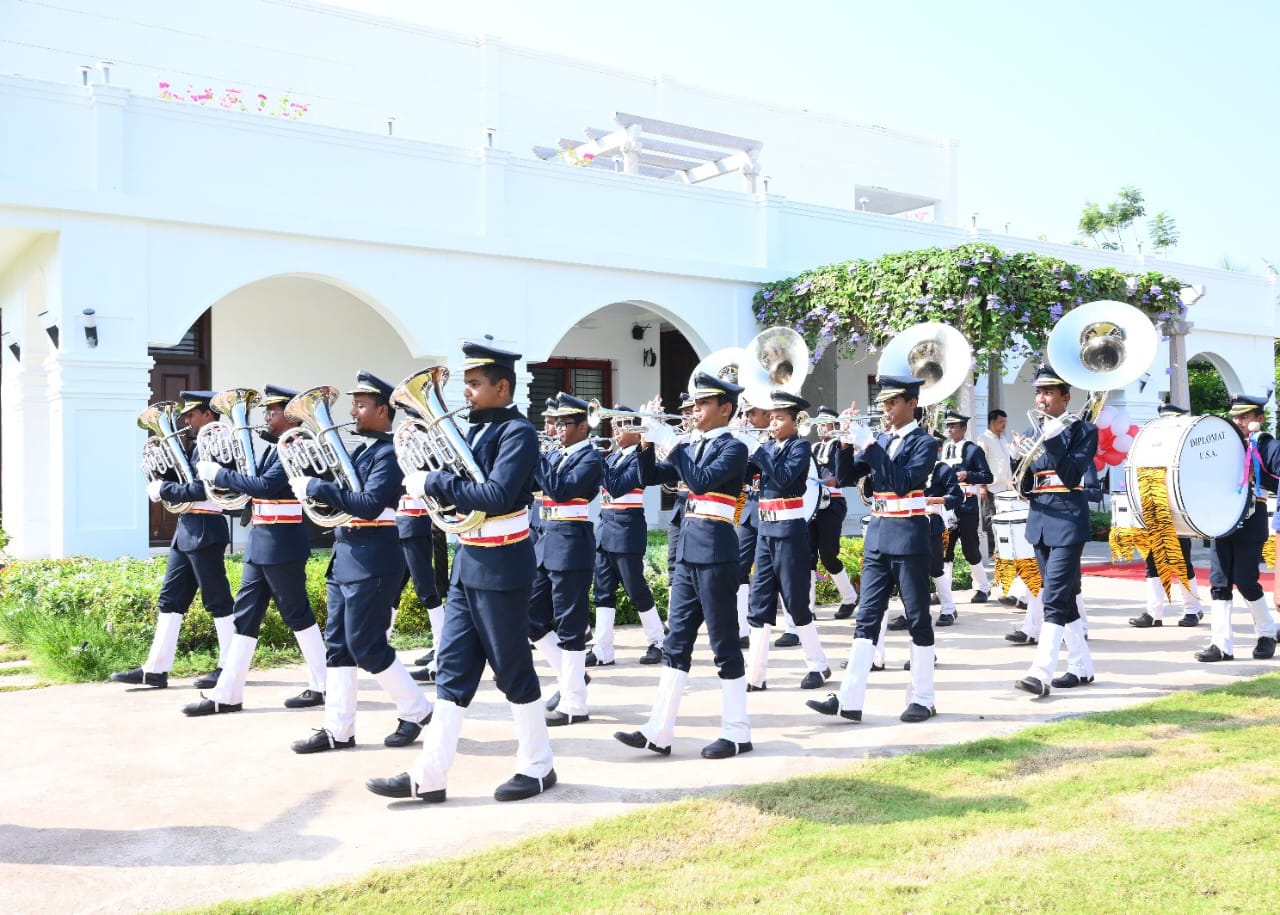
596, 414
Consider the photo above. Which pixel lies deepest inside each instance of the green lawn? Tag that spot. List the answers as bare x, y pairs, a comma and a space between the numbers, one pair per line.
1167, 807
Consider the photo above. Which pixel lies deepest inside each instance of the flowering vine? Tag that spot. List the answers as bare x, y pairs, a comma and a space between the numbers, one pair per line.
234, 100
1004, 302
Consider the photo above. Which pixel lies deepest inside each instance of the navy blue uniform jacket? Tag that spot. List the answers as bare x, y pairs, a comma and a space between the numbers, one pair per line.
361, 553
1062, 518
622, 530
566, 545
904, 473
973, 460
269, 544
508, 455
784, 469
195, 531
721, 470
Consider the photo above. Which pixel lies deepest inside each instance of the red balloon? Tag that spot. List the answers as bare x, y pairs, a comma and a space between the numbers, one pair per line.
1133, 430
1098, 462
1115, 458
1105, 438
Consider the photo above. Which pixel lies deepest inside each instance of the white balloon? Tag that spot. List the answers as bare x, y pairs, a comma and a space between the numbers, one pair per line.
1105, 417
1123, 443
1120, 423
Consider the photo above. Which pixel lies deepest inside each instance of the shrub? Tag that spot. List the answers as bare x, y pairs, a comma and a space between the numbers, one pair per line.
851, 556
1099, 526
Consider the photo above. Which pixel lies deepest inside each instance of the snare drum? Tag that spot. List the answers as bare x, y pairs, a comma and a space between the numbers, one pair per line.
1122, 513
1204, 460
1010, 530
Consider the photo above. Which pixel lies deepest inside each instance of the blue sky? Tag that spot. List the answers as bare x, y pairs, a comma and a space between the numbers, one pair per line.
1052, 104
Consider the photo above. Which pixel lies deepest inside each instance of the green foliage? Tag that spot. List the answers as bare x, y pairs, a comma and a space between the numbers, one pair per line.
4, 537
1208, 391
1099, 525
1003, 302
1163, 232
1105, 227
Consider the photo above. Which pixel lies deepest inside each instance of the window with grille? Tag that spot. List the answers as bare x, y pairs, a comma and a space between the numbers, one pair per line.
585, 378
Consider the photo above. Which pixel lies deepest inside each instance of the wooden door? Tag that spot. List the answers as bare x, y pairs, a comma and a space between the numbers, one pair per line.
184, 367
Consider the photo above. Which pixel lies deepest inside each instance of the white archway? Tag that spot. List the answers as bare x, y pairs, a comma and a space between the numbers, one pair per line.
1223, 367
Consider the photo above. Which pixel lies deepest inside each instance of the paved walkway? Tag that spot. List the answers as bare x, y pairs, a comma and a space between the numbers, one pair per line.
113, 801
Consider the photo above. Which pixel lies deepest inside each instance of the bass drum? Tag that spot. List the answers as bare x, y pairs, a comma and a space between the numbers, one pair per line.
1009, 527
1204, 461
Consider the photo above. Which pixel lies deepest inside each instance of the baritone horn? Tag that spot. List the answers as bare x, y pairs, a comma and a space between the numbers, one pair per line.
162, 453
315, 449
229, 443
429, 439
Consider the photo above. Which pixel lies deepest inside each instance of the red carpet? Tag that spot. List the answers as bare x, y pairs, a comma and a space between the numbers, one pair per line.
1136, 571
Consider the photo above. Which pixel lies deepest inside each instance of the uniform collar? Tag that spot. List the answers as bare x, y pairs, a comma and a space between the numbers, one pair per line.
572, 449
626, 451
714, 433
906, 430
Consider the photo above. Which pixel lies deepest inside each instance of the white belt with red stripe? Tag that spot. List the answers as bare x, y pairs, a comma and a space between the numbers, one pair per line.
1049, 481
633, 499
970, 489
412, 507
892, 505
387, 518
714, 506
499, 531
573, 510
782, 509
835, 492
277, 511
205, 508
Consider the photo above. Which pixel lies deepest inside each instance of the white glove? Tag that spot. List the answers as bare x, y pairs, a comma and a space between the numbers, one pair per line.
1052, 428
660, 434
859, 435
299, 486
415, 484
207, 470
153, 490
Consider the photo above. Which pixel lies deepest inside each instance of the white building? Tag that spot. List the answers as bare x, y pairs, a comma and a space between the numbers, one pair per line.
227, 248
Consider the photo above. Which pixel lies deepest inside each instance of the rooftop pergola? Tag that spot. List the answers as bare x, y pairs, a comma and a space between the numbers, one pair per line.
661, 149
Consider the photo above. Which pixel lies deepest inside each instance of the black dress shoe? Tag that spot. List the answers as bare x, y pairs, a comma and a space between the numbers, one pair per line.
979, 597
322, 740
897, 624
593, 661
406, 732
425, 675
209, 707
1265, 650
1020, 604
815, 679
786, 640
831, 706
752, 688
518, 787
744, 642
308, 698
423, 662
136, 677
560, 719
1033, 686
209, 680
400, 786
1008, 601
723, 749
916, 712
1146, 621
1018, 637
1189, 619
846, 610
1070, 681
1213, 653
874, 665
652, 655
934, 600
640, 742
945, 619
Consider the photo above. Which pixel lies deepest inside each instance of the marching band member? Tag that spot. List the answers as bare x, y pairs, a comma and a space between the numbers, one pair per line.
1058, 529
972, 472
1235, 557
559, 612
362, 583
755, 417
549, 441
275, 568
782, 545
1156, 597
682, 491
621, 539
486, 616
706, 570
824, 530
195, 562
896, 547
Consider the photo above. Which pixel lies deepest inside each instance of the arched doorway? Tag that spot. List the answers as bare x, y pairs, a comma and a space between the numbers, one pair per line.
1209, 384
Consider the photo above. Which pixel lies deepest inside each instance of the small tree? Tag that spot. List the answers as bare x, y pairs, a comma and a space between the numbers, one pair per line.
1163, 232
1105, 227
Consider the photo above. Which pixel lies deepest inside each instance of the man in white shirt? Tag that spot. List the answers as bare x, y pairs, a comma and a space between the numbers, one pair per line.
1000, 460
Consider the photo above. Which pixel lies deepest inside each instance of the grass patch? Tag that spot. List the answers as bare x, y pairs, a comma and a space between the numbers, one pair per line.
1167, 807
20, 687
9, 653
16, 670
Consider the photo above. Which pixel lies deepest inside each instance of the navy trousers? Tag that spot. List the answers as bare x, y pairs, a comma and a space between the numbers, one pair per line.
936, 559
485, 626
355, 632
627, 568
782, 567
284, 581
880, 572
704, 593
419, 562
673, 544
824, 536
747, 536
966, 531
1060, 571
559, 604
1234, 562
202, 570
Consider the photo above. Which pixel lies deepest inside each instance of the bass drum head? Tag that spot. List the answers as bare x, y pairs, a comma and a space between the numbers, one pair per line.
1204, 460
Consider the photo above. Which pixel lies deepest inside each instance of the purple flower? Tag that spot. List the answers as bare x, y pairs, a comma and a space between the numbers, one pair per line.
1001, 278
1155, 290
802, 287
1063, 284
986, 258
856, 337
973, 281
1163, 316
1146, 300
768, 295
924, 300
1169, 370
1055, 312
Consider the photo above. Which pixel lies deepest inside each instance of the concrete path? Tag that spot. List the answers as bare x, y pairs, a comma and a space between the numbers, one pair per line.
112, 801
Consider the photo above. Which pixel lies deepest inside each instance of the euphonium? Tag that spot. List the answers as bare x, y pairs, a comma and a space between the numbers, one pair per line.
162, 452
428, 439
229, 444
315, 449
